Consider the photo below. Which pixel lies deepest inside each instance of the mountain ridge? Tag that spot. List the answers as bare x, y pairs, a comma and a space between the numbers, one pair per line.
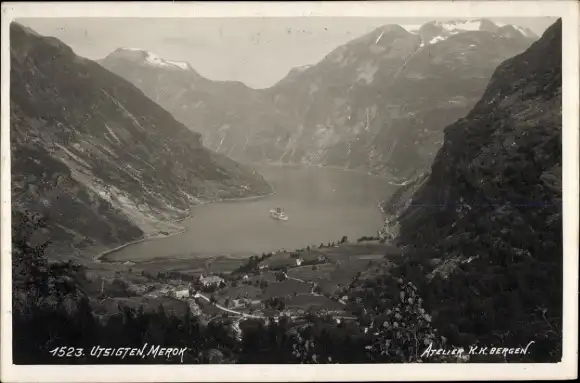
360, 108
485, 24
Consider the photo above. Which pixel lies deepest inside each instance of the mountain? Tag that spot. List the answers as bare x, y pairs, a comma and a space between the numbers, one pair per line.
486, 224
205, 106
436, 31
101, 161
378, 103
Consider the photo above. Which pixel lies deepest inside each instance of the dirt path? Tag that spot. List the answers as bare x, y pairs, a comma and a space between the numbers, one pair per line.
228, 310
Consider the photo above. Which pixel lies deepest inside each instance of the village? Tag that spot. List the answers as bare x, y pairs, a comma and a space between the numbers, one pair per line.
276, 284
312, 280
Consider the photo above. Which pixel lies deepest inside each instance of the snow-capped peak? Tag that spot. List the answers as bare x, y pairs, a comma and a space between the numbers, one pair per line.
153, 59
436, 31
456, 26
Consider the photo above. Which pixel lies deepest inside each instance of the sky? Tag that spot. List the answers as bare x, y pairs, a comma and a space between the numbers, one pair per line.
256, 51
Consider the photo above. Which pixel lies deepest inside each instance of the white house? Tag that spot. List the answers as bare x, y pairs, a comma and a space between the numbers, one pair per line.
299, 261
182, 293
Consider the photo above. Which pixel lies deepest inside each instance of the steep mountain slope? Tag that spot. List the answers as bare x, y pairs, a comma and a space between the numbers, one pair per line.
486, 225
103, 162
381, 101
377, 103
205, 106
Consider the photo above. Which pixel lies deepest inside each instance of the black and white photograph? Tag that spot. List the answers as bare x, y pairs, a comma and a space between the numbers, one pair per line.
300, 189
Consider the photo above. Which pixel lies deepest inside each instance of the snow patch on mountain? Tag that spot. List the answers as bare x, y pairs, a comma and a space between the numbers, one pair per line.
181, 64
303, 67
524, 31
156, 60
411, 28
436, 39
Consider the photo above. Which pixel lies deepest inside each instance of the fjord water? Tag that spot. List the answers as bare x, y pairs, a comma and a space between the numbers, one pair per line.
322, 204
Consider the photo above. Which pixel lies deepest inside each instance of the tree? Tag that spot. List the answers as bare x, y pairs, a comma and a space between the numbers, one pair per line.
405, 330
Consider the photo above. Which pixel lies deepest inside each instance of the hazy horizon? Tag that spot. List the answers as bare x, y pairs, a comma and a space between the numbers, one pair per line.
255, 51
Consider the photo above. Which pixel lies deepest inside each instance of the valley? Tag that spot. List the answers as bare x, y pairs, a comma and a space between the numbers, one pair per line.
421, 171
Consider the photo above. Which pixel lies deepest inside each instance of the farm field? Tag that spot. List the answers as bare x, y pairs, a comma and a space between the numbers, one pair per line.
279, 260
241, 291
311, 255
371, 256
184, 266
286, 288
307, 273
223, 265
268, 276
356, 250
315, 301
342, 275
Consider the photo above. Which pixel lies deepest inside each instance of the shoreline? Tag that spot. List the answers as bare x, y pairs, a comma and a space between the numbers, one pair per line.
102, 257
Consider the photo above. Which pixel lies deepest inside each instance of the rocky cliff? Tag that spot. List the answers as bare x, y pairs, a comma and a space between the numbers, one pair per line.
488, 219
378, 103
102, 161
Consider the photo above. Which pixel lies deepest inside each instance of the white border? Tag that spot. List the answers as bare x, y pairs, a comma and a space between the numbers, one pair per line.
567, 10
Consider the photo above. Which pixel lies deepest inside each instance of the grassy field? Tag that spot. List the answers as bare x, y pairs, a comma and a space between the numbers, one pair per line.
311, 255
279, 260
167, 265
342, 275
286, 288
371, 256
223, 265
268, 276
307, 301
357, 250
306, 273
240, 291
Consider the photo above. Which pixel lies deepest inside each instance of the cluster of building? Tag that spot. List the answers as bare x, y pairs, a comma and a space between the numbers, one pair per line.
187, 291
